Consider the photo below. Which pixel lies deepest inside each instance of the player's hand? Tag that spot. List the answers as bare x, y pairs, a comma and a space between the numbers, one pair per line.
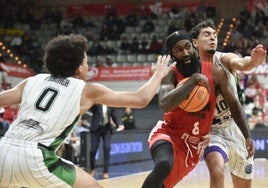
200, 79
162, 66
202, 145
258, 55
250, 147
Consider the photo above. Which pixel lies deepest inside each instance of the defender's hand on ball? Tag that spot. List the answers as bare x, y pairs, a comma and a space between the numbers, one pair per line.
201, 80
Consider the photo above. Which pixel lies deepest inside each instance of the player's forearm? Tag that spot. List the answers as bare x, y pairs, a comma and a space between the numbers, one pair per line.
149, 89
248, 63
243, 64
171, 98
244, 129
241, 121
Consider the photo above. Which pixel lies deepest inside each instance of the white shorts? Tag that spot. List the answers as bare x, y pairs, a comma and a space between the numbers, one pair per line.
27, 164
230, 142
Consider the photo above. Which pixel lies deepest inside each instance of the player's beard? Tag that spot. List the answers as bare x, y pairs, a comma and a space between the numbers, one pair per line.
189, 68
211, 51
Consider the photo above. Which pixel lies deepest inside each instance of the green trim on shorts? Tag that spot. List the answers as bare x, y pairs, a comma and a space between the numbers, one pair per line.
58, 141
63, 170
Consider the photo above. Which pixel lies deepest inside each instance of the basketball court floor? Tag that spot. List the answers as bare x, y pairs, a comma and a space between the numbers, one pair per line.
132, 175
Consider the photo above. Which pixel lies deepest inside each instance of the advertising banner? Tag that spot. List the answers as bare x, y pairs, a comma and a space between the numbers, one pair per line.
16, 70
119, 73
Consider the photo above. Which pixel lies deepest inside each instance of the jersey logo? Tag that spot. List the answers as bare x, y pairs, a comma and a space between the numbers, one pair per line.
248, 169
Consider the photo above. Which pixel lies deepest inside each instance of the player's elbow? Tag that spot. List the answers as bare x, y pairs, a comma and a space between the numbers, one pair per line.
144, 103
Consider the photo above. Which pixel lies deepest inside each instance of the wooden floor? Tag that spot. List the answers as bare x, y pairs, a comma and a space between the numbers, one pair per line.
198, 178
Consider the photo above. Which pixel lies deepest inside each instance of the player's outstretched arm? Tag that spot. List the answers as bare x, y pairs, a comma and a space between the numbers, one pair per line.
256, 58
13, 95
97, 93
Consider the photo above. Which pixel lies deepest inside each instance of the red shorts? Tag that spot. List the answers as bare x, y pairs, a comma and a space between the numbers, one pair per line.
185, 158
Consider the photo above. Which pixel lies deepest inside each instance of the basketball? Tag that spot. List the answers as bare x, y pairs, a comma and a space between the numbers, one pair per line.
197, 99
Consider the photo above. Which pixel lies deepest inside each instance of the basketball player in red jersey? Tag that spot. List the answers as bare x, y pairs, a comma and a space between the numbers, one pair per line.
177, 143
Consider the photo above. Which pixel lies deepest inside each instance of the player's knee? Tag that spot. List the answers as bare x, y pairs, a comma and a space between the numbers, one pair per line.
164, 167
217, 173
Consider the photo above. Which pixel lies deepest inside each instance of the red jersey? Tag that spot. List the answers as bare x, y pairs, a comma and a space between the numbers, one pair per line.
184, 130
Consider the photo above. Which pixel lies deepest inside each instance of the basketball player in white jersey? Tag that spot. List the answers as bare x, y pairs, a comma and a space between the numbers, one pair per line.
50, 106
227, 142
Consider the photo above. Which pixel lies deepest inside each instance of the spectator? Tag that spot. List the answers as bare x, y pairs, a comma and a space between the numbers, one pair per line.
148, 26
26, 43
260, 15
244, 15
172, 26
107, 46
211, 12
143, 11
235, 36
78, 21
250, 93
82, 126
125, 46
202, 7
9, 16
5, 83
174, 13
259, 29
87, 31
48, 16
16, 43
128, 120
110, 62
156, 10
66, 149
163, 49
132, 19
155, 45
96, 48
113, 27
99, 63
104, 31
76, 143
66, 26
119, 28
135, 45
145, 45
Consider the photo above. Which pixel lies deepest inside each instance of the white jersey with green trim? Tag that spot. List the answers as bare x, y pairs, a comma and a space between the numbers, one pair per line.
49, 108
222, 114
